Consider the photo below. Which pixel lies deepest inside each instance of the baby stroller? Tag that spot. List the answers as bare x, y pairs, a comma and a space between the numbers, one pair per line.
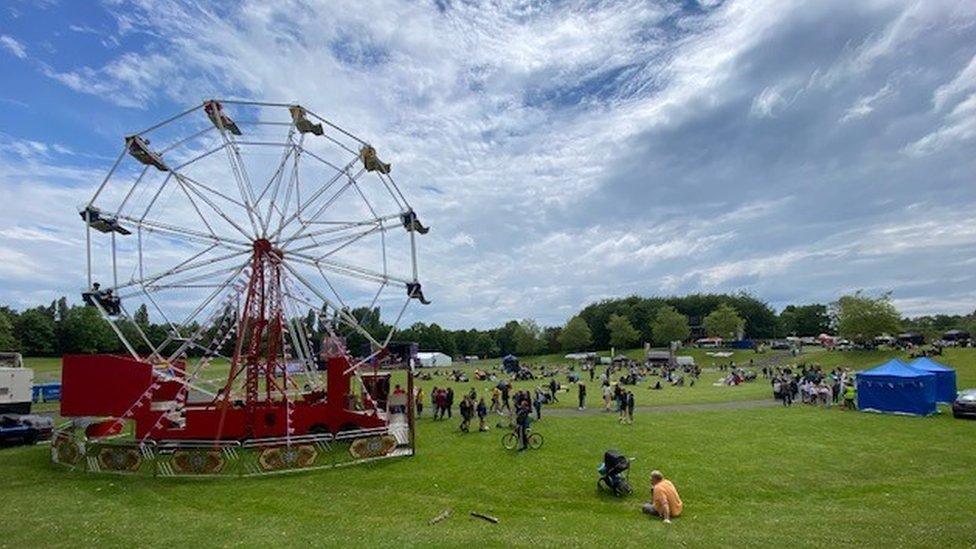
614, 473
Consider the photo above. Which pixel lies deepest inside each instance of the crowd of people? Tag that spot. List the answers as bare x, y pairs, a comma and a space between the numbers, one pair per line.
811, 385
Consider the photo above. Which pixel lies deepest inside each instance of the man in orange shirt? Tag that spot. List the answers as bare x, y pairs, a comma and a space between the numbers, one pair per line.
665, 502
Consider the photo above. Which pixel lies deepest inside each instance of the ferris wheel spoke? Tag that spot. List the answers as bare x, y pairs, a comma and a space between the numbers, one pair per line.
292, 187
132, 189
187, 234
339, 226
190, 282
184, 265
332, 237
275, 180
305, 224
191, 181
226, 283
243, 181
216, 209
342, 314
193, 203
314, 197
349, 270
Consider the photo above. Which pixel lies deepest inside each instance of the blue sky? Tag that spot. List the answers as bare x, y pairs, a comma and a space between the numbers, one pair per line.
563, 152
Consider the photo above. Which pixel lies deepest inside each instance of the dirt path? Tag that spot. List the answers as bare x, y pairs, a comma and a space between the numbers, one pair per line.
694, 407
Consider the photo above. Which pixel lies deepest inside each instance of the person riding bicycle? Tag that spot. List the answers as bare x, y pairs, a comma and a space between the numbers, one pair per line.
523, 420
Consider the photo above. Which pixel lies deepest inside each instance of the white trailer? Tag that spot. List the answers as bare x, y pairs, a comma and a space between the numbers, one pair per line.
16, 386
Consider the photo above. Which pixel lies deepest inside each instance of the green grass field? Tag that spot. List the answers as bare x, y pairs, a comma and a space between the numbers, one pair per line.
749, 477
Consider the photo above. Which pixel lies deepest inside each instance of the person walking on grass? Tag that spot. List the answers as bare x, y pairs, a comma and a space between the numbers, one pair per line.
482, 414
630, 406
607, 393
449, 401
581, 389
850, 397
466, 408
553, 389
419, 399
496, 400
665, 501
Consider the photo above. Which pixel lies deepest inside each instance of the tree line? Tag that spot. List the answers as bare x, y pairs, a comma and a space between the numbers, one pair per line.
60, 328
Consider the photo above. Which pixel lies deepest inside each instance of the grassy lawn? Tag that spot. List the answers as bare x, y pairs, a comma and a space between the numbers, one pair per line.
704, 391
749, 477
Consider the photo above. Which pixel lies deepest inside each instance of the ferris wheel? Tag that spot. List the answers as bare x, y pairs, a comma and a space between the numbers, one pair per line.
243, 226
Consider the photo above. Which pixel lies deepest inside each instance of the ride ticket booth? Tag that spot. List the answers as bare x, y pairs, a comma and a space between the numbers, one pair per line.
377, 386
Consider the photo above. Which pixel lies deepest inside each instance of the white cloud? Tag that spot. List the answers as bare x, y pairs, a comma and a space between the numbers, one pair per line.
958, 127
866, 105
520, 130
14, 46
965, 81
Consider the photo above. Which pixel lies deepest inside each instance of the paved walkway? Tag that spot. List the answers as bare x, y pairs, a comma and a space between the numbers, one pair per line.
693, 407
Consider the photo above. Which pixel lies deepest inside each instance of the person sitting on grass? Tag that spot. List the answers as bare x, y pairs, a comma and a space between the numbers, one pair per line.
665, 501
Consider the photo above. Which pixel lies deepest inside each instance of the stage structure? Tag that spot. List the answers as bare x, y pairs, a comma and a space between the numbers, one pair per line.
266, 239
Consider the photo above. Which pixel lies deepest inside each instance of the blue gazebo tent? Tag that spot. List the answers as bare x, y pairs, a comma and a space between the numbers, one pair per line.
945, 378
895, 387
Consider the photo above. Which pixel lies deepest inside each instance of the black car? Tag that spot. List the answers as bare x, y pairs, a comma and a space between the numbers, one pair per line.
24, 429
965, 404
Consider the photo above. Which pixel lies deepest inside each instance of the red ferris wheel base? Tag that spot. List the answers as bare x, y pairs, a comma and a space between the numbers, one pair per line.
118, 387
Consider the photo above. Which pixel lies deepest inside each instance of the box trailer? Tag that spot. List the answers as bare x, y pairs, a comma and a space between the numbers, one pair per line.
16, 390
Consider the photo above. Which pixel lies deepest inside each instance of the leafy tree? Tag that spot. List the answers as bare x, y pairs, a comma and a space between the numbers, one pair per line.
141, 316
485, 346
505, 337
576, 335
805, 320
550, 338
528, 338
35, 328
860, 318
622, 332
724, 322
669, 325
8, 341
86, 331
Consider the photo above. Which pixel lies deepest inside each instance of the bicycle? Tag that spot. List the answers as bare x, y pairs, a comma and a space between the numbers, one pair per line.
510, 441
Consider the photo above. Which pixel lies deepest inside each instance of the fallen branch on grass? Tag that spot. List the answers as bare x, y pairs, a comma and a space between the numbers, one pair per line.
439, 518
482, 516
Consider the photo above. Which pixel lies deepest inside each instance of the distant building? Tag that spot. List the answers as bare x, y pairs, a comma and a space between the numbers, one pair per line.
433, 359
911, 338
709, 342
658, 358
